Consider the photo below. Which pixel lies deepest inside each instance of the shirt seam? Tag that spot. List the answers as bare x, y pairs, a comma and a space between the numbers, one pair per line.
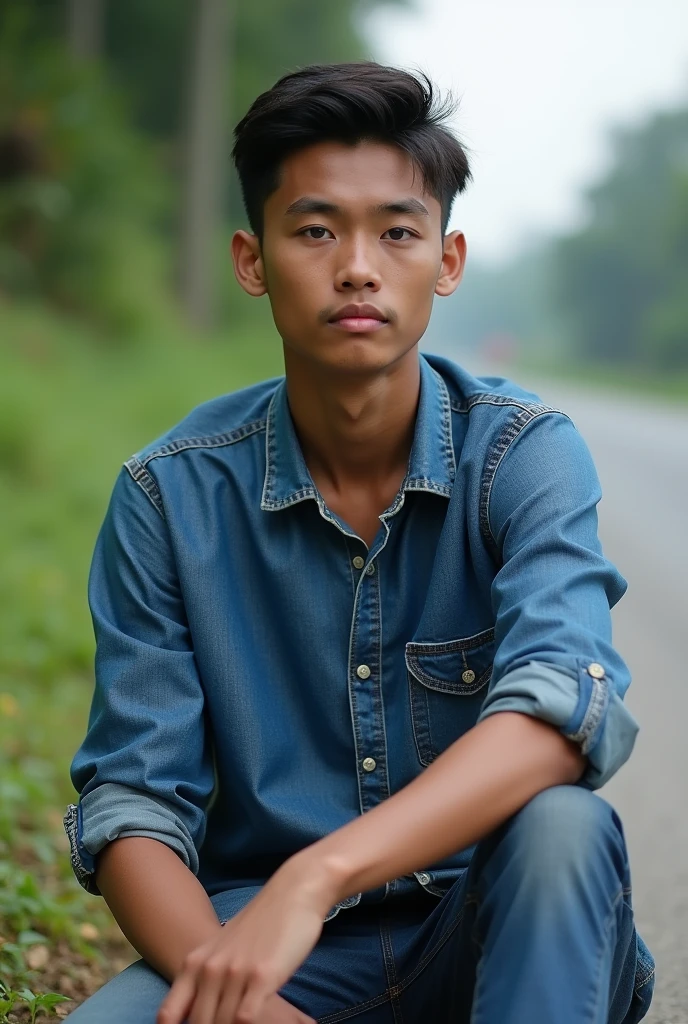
487, 398
495, 456
182, 444
137, 464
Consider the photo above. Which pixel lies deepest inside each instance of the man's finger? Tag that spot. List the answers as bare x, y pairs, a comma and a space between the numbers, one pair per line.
229, 1004
175, 1007
211, 982
249, 1008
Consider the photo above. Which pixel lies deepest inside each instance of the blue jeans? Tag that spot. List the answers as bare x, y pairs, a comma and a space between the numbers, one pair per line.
539, 929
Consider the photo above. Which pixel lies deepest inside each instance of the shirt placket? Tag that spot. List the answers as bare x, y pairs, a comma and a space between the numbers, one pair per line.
365, 674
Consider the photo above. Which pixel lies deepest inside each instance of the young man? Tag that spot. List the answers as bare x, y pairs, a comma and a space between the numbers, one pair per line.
354, 677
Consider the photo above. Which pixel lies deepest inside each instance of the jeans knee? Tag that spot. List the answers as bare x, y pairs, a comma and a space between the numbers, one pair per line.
566, 831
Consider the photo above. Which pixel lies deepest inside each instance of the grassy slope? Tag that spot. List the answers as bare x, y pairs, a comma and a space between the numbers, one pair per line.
71, 410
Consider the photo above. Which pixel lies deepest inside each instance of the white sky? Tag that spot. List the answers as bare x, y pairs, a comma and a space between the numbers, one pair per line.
540, 81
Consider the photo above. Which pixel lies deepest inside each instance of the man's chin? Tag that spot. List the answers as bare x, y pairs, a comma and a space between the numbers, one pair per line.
356, 354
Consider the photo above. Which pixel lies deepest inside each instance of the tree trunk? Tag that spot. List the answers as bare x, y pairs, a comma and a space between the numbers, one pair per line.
85, 28
205, 155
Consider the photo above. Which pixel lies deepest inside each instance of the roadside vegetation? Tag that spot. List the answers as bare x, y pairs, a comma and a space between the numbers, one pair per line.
70, 413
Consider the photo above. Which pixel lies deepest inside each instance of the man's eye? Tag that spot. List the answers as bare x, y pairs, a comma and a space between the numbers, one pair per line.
398, 234
316, 232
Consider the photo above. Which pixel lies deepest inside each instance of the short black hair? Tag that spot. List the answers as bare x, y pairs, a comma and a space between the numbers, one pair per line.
348, 103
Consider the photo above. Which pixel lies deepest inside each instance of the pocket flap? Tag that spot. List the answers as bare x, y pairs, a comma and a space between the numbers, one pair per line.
456, 666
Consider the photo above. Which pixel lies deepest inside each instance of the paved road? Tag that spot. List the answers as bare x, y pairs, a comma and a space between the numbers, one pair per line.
640, 449
641, 452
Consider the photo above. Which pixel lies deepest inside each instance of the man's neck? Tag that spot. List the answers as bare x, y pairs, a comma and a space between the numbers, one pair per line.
354, 429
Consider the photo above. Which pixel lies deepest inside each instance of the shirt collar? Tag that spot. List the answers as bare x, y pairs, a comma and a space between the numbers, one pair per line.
431, 464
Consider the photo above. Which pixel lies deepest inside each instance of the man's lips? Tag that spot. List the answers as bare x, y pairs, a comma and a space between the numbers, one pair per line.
358, 319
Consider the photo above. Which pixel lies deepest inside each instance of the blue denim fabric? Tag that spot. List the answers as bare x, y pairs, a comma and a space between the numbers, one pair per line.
538, 928
262, 677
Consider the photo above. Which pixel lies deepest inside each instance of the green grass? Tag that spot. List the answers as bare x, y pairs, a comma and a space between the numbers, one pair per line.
72, 409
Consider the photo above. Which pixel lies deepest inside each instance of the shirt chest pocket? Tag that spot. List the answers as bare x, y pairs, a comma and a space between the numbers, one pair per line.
447, 684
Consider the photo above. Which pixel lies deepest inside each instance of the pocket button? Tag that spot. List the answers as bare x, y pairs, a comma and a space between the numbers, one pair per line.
468, 676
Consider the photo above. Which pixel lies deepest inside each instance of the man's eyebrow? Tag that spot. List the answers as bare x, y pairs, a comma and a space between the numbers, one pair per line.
410, 206
307, 204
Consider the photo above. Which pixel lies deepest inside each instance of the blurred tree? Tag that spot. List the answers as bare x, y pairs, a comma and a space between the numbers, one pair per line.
85, 27
79, 194
205, 153
621, 281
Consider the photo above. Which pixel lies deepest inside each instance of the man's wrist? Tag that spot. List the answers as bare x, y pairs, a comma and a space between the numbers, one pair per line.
321, 873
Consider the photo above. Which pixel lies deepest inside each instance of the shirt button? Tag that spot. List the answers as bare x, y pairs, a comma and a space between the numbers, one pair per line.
596, 671
423, 877
468, 676
369, 764
363, 672
358, 562
370, 571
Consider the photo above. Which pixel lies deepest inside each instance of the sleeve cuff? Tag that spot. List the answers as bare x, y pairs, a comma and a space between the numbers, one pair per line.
115, 811
585, 708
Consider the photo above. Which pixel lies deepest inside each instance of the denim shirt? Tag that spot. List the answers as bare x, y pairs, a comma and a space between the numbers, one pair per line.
263, 677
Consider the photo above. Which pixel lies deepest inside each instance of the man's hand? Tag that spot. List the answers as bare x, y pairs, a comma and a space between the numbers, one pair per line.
233, 977
279, 1011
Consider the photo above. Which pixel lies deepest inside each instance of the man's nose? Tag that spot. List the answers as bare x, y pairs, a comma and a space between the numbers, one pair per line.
357, 270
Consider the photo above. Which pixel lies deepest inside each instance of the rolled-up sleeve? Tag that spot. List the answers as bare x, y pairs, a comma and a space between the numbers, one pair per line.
145, 767
552, 597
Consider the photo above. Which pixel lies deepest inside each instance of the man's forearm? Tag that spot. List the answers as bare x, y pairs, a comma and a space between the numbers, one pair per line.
158, 903
474, 786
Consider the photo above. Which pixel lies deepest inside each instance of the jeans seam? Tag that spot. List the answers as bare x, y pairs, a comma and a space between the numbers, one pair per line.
390, 970
420, 966
617, 899
350, 1011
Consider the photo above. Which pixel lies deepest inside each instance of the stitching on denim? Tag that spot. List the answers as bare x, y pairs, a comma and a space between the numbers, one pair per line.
457, 687
423, 484
267, 482
468, 643
612, 911
353, 631
644, 980
275, 504
400, 986
420, 966
209, 441
419, 745
351, 1010
390, 969
446, 426
376, 584
84, 878
594, 713
496, 453
146, 482
487, 398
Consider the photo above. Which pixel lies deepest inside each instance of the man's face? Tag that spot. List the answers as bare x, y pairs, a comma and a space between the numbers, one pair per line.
352, 255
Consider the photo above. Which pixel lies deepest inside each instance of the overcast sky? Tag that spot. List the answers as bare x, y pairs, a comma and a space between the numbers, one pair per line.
540, 81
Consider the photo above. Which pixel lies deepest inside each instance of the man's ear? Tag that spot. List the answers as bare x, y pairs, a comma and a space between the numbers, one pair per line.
248, 263
453, 262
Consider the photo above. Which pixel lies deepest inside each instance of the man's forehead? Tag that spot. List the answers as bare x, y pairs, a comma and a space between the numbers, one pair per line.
371, 174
